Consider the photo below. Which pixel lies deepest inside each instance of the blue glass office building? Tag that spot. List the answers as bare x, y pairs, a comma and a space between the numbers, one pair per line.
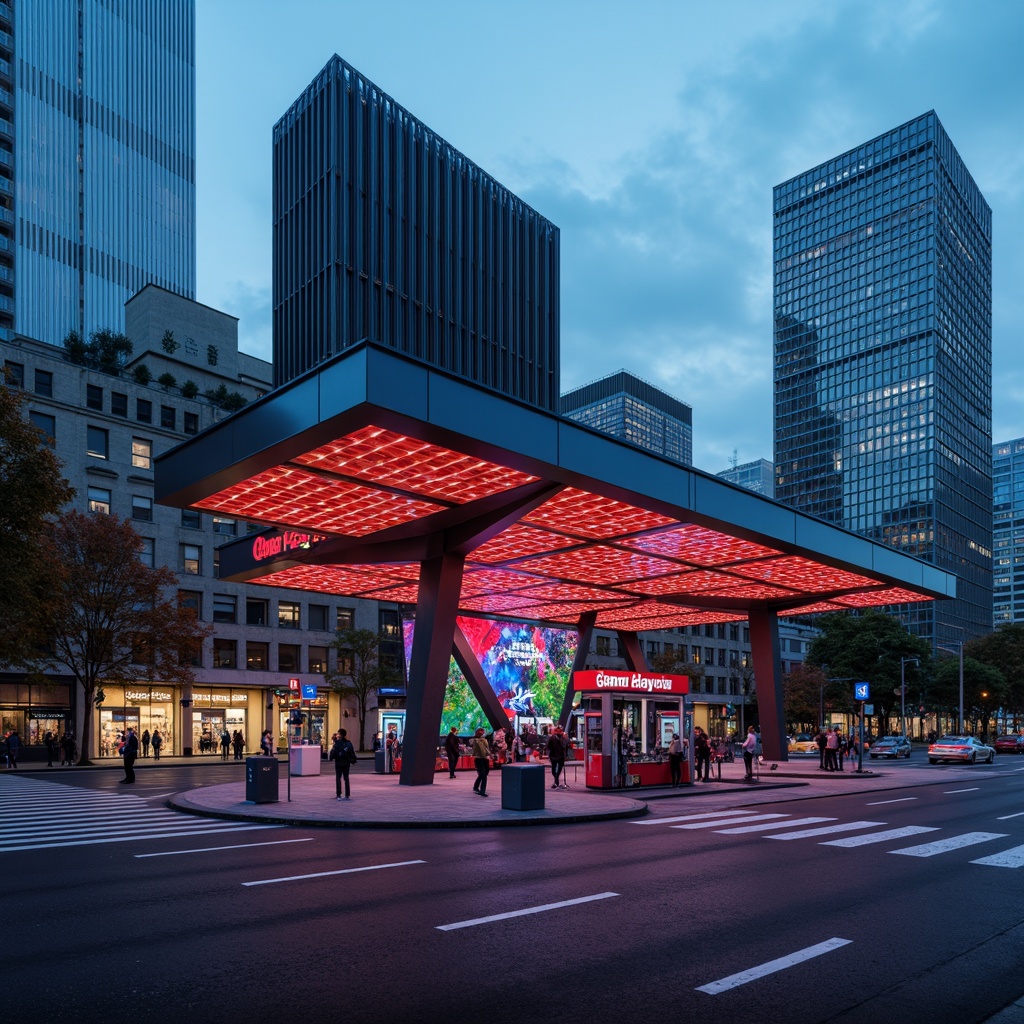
382, 230
883, 358
1008, 532
97, 160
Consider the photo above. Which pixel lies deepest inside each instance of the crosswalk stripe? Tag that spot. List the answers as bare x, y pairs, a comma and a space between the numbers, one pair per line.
718, 822
952, 843
880, 837
131, 839
1012, 858
686, 817
845, 826
770, 825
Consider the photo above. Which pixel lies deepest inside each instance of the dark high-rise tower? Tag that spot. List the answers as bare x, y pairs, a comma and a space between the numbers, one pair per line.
883, 358
383, 231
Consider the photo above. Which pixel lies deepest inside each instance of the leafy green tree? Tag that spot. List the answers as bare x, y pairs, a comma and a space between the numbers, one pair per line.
32, 491
189, 389
985, 689
167, 380
76, 348
1003, 649
142, 374
112, 619
359, 673
110, 349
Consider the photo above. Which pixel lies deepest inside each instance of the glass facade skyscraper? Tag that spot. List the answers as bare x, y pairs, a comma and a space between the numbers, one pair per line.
1008, 532
382, 230
758, 476
629, 408
883, 358
97, 160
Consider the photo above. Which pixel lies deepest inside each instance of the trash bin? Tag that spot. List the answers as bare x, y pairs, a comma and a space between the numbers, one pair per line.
522, 787
380, 763
261, 780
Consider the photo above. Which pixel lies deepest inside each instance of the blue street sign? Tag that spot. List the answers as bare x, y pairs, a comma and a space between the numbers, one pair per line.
309, 691
861, 691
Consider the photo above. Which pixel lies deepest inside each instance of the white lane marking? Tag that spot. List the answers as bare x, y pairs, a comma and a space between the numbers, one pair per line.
1006, 817
686, 817
952, 843
134, 838
1012, 858
753, 973
214, 849
725, 821
972, 790
159, 796
902, 800
527, 910
342, 871
770, 825
881, 837
846, 826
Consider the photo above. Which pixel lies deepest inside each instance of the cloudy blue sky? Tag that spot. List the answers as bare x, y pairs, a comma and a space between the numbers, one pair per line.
651, 133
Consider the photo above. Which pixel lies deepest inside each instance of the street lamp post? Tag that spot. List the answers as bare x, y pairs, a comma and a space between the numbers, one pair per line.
903, 690
958, 646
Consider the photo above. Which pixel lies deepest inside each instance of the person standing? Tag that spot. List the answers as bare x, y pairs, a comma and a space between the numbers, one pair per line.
13, 746
67, 749
225, 743
343, 754
556, 755
130, 751
51, 749
831, 750
822, 740
451, 749
158, 741
749, 746
702, 754
675, 760
267, 744
145, 743
482, 760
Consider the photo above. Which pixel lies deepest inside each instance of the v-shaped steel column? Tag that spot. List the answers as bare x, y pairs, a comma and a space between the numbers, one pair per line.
764, 648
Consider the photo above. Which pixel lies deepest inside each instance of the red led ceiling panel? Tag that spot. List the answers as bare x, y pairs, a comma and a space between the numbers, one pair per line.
560, 592
392, 460
599, 565
756, 592
701, 581
589, 515
802, 574
872, 598
498, 604
405, 595
701, 546
695, 618
816, 609
493, 581
329, 579
293, 497
517, 542
569, 612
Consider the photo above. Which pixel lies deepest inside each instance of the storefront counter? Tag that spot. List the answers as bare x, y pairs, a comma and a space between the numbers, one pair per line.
305, 760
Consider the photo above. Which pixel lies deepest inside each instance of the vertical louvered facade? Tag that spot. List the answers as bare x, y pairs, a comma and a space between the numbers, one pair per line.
103, 156
382, 230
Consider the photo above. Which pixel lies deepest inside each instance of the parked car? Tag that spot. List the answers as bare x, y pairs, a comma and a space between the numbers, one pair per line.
803, 743
1009, 743
960, 748
891, 746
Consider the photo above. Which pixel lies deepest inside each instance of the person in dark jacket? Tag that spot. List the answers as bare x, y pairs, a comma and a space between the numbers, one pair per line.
51, 748
343, 754
158, 741
451, 748
556, 755
482, 760
130, 751
13, 746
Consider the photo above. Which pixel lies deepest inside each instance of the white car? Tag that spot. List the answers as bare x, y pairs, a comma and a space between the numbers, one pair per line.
960, 748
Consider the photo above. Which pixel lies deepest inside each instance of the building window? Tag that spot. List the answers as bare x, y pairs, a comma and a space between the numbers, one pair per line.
142, 508
147, 553
99, 500
225, 653
191, 519
44, 383
224, 526
144, 410
94, 397
47, 424
15, 374
389, 624
288, 614
256, 657
224, 608
142, 453
346, 618
216, 563
318, 617
318, 659
255, 611
97, 442
191, 559
118, 404
168, 417
191, 422
604, 646
192, 600
287, 658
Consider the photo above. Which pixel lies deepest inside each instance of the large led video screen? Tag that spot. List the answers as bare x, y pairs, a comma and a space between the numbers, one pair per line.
528, 667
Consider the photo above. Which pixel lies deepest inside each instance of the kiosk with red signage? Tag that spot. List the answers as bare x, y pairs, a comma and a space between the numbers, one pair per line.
629, 720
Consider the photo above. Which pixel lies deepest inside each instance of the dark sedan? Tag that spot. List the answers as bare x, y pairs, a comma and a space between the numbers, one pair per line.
1009, 744
891, 746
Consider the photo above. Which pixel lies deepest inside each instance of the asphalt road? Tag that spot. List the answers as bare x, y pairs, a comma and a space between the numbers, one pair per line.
115, 905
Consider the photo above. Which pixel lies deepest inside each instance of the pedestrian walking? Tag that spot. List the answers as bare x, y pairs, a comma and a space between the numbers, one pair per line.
51, 748
158, 741
13, 746
749, 747
343, 754
238, 742
702, 754
145, 743
556, 755
482, 760
675, 760
225, 743
451, 749
68, 749
129, 751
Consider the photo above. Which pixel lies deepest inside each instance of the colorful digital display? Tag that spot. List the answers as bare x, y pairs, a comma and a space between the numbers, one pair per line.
528, 667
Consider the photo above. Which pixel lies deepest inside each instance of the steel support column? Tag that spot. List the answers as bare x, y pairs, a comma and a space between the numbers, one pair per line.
764, 648
632, 650
436, 607
584, 631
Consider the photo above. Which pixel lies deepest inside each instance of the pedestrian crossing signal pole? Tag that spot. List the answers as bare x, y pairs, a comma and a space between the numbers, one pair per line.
861, 693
